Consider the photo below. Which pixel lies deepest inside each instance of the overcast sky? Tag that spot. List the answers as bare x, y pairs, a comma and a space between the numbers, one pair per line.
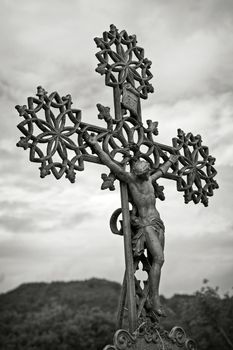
53, 230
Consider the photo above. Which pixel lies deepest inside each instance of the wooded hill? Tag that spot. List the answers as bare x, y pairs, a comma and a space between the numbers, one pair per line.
81, 316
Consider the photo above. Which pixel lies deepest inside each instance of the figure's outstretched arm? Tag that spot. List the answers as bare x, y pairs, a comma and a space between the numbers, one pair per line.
120, 173
164, 167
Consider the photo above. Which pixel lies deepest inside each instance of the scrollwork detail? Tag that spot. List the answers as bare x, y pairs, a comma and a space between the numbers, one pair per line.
178, 334
123, 340
190, 344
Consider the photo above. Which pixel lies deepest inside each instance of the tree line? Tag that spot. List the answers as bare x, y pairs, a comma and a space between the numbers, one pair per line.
81, 315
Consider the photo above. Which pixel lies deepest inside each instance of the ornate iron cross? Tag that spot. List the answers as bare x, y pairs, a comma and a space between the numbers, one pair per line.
56, 139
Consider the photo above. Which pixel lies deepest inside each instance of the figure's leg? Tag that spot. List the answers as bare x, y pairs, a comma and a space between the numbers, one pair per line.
162, 238
155, 250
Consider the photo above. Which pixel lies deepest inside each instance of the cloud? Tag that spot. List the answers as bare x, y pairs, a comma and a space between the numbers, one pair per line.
52, 229
14, 224
2, 277
191, 259
38, 215
190, 49
208, 115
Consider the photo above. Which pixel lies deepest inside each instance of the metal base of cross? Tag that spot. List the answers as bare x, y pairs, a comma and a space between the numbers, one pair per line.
150, 336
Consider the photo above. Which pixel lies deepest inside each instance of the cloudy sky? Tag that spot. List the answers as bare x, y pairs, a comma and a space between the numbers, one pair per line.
54, 230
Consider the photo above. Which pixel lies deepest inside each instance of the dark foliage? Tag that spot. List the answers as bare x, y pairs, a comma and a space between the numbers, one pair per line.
59, 316
205, 316
81, 316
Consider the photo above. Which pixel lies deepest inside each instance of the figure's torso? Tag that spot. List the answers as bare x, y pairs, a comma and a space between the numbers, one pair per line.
143, 196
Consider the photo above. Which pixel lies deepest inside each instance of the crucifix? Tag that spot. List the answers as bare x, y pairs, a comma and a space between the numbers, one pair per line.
61, 142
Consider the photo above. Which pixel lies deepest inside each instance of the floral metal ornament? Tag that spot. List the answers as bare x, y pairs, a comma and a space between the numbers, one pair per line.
55, 133
121, 60
196, 176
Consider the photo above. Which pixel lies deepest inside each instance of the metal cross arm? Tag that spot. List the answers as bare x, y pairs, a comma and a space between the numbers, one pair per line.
55, 135
55, 140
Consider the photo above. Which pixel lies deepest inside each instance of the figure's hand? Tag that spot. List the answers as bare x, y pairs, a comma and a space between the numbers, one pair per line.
91, 139
174, 158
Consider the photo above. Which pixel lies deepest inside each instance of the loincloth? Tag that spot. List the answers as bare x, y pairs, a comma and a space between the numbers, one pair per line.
139, 238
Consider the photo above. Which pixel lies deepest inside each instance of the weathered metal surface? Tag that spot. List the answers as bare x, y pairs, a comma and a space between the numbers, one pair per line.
196, 175
121, 60
53, 132
150, 336
130, 100
132, 312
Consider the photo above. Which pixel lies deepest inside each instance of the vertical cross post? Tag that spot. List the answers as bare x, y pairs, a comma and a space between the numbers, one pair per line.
131, 295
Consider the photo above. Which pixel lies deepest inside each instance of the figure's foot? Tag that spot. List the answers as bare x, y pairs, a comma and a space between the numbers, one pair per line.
154, 308
160, 312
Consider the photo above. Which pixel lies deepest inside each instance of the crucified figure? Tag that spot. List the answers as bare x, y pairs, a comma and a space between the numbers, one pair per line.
149, 226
